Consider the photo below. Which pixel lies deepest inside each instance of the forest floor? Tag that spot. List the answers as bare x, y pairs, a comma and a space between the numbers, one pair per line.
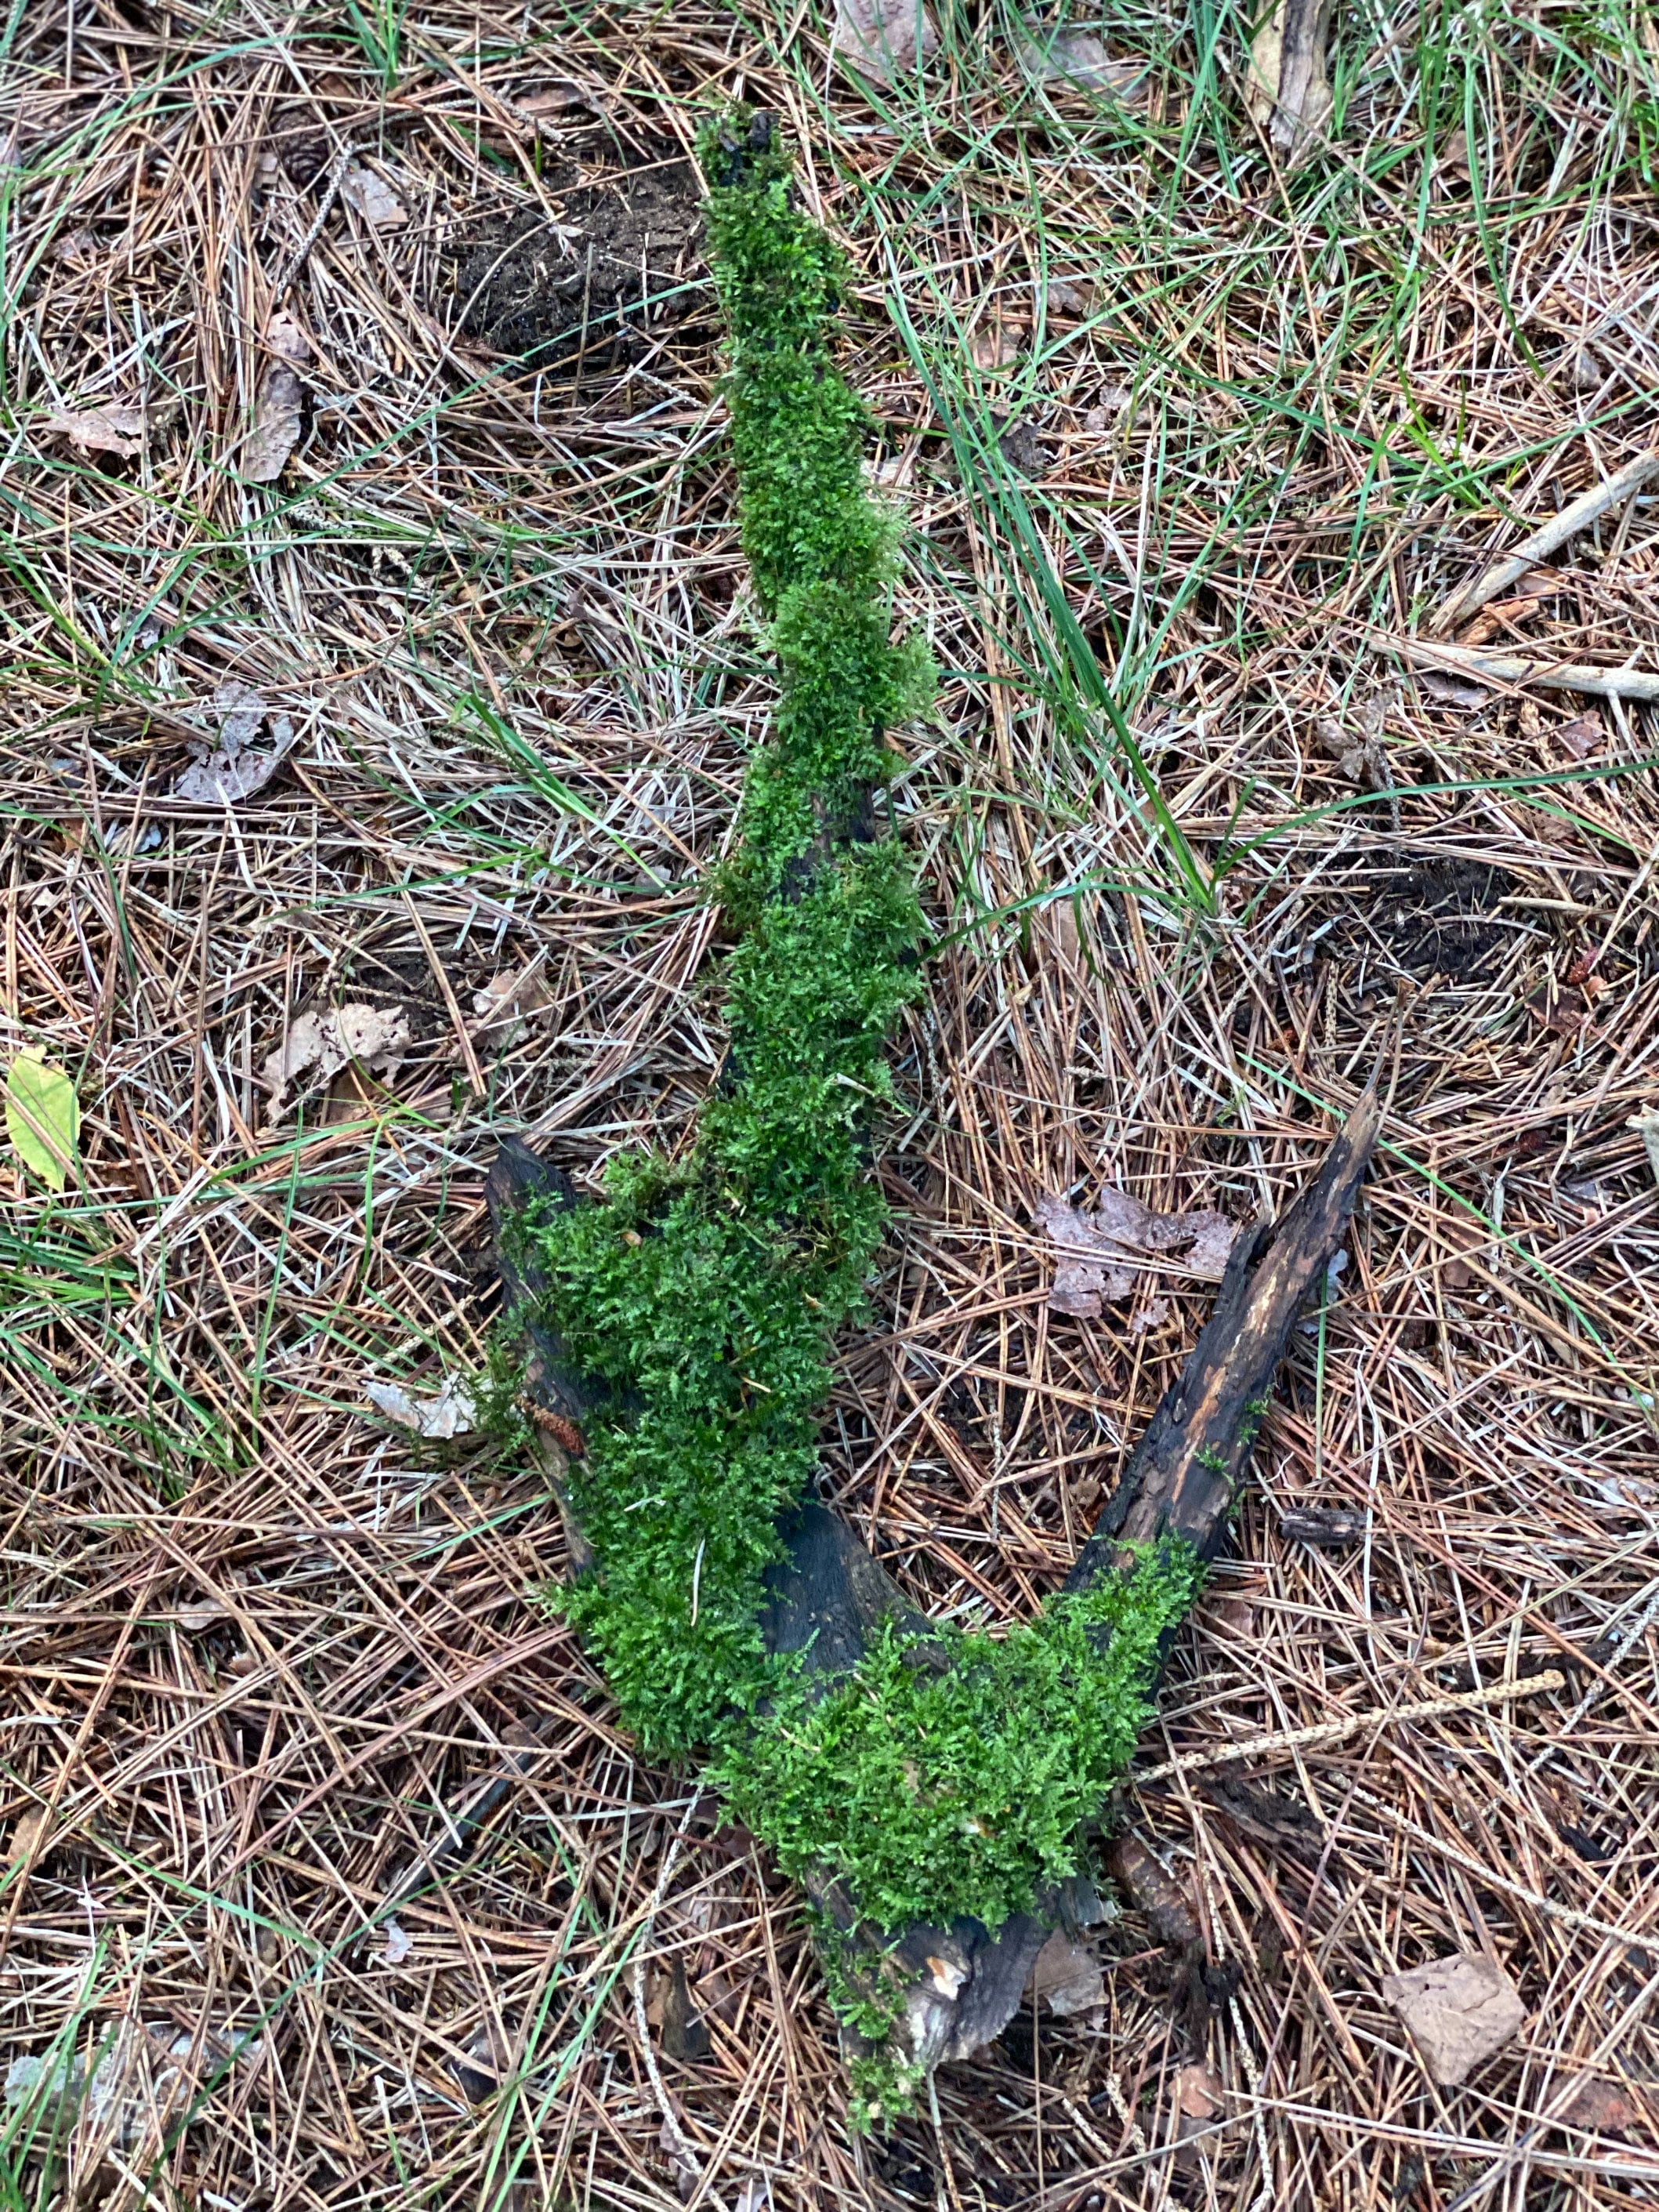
362, 360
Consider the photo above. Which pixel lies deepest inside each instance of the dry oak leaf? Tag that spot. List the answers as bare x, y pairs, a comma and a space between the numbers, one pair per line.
327, 1038
453, 1412
1458, 2012
1097, 1251
884, 38
234, 770
279, 408
115, 428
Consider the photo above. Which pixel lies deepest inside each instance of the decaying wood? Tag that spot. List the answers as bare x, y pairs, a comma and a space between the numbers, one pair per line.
828, 1596
1288, 93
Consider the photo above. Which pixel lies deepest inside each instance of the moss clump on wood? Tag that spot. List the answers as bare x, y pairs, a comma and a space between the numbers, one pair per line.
947, 1775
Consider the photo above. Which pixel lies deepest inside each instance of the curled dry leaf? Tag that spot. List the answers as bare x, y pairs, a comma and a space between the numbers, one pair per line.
325, 1040
373, 198
235, 769
26, 1835
1602, 2108
1458, 2012
506, 1001
453, 1412
1067, 1977
201, 1612
1098, 1251
279, 409
114, 429
993, 348
884, 38
1581, 737
1289, 94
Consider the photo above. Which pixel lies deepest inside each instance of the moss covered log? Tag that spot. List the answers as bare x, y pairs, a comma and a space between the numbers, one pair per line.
947, 1773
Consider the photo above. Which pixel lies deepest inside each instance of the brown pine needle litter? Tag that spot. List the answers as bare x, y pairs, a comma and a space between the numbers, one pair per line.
326, 1877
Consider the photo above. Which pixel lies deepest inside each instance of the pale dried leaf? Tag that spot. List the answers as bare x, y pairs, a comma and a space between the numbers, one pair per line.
884, 38
507, 1000
1458, 2012
1076, 57
1452, 690
201, 1612
278, 413
326, 1039
1288, 93
1199, 2092
114, 429
286, 339
991, 348
1067, 1977
398, 1944
1097, 1251
453, 1412
235, 770
373, 198
26, 1834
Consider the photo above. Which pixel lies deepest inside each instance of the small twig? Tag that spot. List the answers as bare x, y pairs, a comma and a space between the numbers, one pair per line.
1501, 668
1463, 1701
296, 260
1555, 532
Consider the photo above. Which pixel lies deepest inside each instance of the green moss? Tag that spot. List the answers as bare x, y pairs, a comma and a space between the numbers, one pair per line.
947, 1776
950, 1776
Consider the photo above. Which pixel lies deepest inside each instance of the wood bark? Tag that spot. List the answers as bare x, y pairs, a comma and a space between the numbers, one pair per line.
827, 1595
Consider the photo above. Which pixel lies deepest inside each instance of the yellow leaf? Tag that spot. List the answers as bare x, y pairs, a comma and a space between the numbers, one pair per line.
43, 1118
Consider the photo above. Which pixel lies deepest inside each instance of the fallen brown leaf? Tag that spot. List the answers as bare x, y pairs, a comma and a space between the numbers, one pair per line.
1458, 2012
1602, 2108
1065, 56
1067, 1977
1097, 1251
235, 768
114, 428
26, 1835
1199, 2094
373, 198
1582, 736
326, 1039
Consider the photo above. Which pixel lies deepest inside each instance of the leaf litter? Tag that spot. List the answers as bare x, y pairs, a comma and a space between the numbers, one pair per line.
236, 768
323, 1041
1102, 1256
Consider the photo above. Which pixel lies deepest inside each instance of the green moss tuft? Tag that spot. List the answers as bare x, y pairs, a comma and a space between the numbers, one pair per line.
950, 1776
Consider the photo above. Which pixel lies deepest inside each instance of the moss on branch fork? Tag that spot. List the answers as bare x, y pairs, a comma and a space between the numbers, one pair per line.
927, 1775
